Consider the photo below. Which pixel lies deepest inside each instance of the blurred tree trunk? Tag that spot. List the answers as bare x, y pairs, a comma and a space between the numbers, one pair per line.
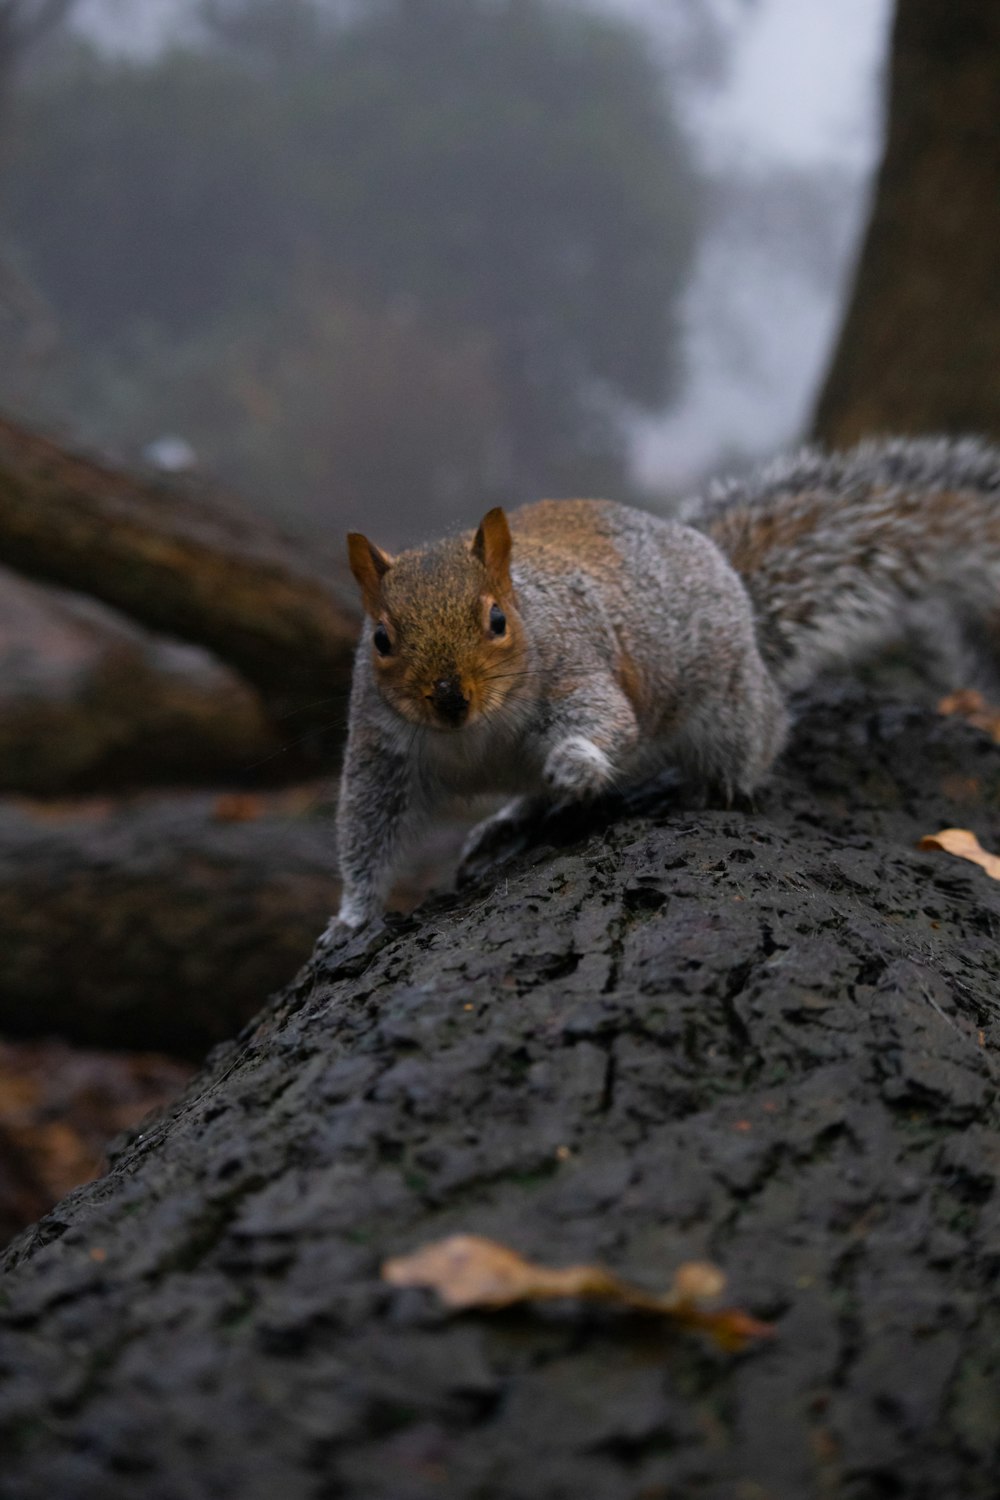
163, 921
156, 922
23, 24
918, 351
189, 565
90, 701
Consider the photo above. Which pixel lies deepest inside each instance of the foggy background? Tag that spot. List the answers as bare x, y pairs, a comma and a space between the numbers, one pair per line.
360, 282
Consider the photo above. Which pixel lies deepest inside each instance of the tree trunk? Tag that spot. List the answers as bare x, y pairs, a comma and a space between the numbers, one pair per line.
191, 567
918, 348
767, 1039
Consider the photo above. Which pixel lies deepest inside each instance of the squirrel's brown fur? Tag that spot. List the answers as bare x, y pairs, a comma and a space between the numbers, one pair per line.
586, 644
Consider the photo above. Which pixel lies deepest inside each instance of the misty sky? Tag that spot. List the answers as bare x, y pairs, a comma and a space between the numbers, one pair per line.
801, 87
803, 91
803, 77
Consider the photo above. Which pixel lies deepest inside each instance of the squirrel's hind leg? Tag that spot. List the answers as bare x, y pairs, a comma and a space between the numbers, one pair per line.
730, 740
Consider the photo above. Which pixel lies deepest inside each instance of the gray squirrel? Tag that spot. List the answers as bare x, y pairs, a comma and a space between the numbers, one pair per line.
580, 645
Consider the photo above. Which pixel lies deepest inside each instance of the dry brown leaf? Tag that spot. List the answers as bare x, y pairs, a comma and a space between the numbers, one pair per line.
973, 707
468, 1271
964, 845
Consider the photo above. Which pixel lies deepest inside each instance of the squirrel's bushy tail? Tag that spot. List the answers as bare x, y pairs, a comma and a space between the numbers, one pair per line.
844, 553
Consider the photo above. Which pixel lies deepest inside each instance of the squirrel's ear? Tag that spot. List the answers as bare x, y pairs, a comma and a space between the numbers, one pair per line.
491, 545
369, 564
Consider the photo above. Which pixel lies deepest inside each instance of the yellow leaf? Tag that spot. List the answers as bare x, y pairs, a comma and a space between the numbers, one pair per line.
964, 845
468, 1271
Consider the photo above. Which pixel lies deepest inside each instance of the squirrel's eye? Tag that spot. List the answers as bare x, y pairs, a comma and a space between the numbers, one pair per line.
383, 645
498, 620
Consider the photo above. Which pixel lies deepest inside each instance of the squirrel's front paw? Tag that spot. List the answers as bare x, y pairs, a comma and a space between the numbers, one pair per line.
341, 928
576, 767
336, 934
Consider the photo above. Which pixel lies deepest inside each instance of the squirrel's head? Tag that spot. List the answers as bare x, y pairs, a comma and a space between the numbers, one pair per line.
447, 641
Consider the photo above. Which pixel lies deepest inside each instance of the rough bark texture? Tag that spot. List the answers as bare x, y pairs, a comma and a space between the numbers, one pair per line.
768, 1039
918, 349
282, 617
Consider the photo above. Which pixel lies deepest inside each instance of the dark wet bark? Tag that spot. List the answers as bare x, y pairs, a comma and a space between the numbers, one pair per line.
191, 566
918, 348
768, 1038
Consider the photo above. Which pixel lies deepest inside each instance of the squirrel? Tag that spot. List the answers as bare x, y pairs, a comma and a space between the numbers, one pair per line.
582, 645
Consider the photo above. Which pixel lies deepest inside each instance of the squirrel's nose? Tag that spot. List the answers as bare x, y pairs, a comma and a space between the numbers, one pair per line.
449, 701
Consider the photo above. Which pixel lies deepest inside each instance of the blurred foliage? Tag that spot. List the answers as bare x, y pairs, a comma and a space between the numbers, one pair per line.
23, 24
366, 259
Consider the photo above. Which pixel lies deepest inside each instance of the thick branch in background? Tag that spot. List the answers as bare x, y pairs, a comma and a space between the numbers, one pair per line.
191, 567
918, 348
159, 923
88, 700
164, 921
769, 1040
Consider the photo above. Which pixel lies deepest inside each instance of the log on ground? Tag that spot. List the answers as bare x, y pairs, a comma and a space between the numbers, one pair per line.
164, 920
766, 1039
89, 700
188, 563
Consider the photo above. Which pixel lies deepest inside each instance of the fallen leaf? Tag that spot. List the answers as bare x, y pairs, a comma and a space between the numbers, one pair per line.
964, 845
974, 709
964, 701
468, 1271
